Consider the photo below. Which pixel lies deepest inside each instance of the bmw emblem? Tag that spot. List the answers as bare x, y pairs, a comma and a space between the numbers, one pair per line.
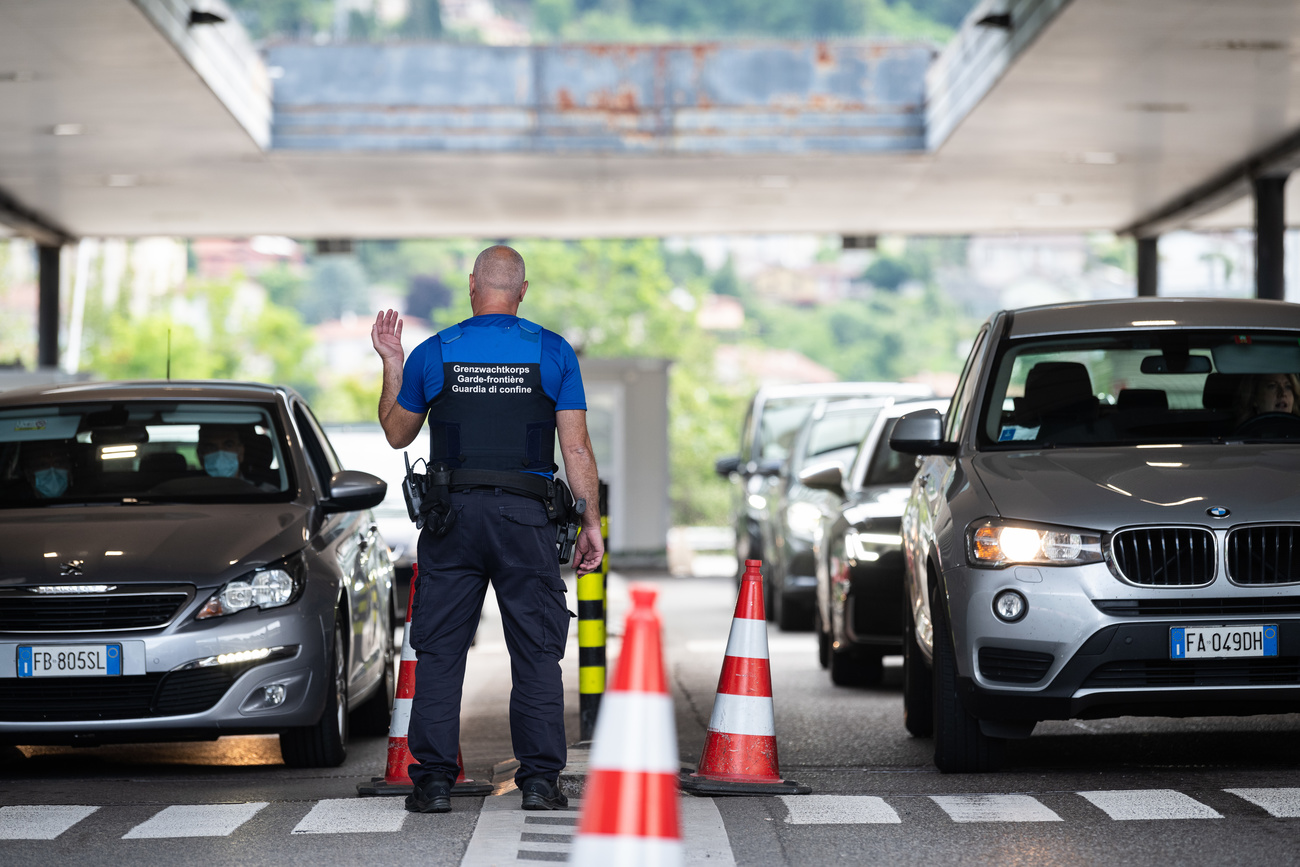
1217, 512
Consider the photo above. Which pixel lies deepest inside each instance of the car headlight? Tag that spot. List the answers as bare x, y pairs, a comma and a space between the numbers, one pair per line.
993, 543
265, 588
868, 547
803, 519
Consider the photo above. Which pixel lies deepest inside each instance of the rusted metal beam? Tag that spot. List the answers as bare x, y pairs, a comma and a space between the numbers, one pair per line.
781, 98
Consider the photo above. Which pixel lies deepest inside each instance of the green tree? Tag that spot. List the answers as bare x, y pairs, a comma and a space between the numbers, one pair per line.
348, 399
338, 285
284, 19
423, 20
268, 344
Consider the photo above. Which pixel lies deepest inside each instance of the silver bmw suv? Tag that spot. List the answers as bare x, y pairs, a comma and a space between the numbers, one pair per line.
1106, 522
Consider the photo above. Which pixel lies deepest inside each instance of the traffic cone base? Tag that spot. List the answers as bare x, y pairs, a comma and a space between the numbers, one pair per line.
397, 779
704, 787
739, 756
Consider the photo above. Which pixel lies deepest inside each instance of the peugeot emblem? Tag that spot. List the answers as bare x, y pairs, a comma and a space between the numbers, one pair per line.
70, 569
1217, 512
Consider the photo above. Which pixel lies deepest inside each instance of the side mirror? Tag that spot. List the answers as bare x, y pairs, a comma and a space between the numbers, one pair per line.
353, 490
726, 466
824, 477
769, 467
921, 433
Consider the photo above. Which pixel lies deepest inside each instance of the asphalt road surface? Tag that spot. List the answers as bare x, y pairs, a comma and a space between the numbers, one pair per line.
1127, 791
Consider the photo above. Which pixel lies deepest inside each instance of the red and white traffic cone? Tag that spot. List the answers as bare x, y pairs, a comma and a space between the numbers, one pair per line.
739, 756
629, 806
397, 778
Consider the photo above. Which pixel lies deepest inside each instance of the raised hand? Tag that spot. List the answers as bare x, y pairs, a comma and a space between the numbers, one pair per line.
386, 336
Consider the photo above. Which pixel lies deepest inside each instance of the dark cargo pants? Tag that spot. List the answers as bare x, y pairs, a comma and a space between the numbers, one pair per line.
506, 539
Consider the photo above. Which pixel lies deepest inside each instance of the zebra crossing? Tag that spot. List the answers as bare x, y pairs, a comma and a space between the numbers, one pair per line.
503, 829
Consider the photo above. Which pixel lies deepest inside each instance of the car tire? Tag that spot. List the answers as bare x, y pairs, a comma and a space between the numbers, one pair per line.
859, 666
960, 747
823, 643
918, 682
325, 744
375, 717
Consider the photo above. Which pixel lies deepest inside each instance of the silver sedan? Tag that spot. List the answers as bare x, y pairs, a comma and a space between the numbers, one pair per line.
184, 560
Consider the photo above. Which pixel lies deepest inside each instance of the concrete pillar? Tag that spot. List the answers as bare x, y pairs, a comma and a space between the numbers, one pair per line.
1148, 266
47, 317
1270, 232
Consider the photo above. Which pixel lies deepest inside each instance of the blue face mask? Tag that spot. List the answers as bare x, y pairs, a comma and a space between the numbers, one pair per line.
51, 482
223, 465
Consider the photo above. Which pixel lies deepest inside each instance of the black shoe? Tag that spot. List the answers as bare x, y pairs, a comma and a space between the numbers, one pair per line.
430, 798
541, 795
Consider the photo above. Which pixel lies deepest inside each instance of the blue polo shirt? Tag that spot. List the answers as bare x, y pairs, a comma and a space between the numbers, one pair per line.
494, 338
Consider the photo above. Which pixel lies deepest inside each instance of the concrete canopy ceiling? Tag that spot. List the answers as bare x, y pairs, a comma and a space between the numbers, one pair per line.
1111, 111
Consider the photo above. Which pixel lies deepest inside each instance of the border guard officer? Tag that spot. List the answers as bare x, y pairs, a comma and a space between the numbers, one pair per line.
496, 390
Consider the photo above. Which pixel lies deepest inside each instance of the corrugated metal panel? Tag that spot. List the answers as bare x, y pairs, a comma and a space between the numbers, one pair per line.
795, 97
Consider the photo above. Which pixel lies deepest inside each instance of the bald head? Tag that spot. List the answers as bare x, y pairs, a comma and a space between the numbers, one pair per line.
499, 269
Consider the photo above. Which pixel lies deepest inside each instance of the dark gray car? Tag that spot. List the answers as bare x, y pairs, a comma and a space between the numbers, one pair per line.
184, 560
859, 555
1105, 523
832, 434
767, 434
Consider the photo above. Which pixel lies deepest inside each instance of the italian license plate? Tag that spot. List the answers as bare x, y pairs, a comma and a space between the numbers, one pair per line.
1222, 642
69, 660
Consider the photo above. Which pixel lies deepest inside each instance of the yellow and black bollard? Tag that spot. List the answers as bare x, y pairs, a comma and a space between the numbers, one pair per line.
591, 632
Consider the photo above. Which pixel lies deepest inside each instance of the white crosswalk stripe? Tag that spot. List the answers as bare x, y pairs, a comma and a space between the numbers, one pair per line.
42, 822
994, 808
354, 816
839, 810
1282, 803
198, 820
504, 833
1150, 804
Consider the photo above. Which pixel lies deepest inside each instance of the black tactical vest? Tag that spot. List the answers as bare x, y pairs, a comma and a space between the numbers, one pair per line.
492, 415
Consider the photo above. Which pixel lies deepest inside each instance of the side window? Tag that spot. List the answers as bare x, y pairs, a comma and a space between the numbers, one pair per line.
747, 437
961, 400
320, 455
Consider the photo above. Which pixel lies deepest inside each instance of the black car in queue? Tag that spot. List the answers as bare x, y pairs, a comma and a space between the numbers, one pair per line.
773, 419
858, 553
830, 435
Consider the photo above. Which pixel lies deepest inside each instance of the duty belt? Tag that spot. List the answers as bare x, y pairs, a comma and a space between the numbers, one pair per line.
548, 491
428, 497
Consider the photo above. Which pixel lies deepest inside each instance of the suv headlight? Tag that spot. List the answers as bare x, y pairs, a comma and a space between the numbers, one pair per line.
803, 519
995, 543
265, 588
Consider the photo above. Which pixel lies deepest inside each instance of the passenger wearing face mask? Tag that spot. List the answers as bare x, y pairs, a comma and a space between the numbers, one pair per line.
221, 451
48, 469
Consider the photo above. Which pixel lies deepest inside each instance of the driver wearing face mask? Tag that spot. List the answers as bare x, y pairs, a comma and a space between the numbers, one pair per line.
48, 469
221, 451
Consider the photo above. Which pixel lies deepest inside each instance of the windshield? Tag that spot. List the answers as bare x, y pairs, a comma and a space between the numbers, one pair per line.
780, 423
836, 437
1143, 387
140, 451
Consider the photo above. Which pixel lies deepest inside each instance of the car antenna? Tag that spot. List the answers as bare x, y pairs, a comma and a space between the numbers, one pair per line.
169, 355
